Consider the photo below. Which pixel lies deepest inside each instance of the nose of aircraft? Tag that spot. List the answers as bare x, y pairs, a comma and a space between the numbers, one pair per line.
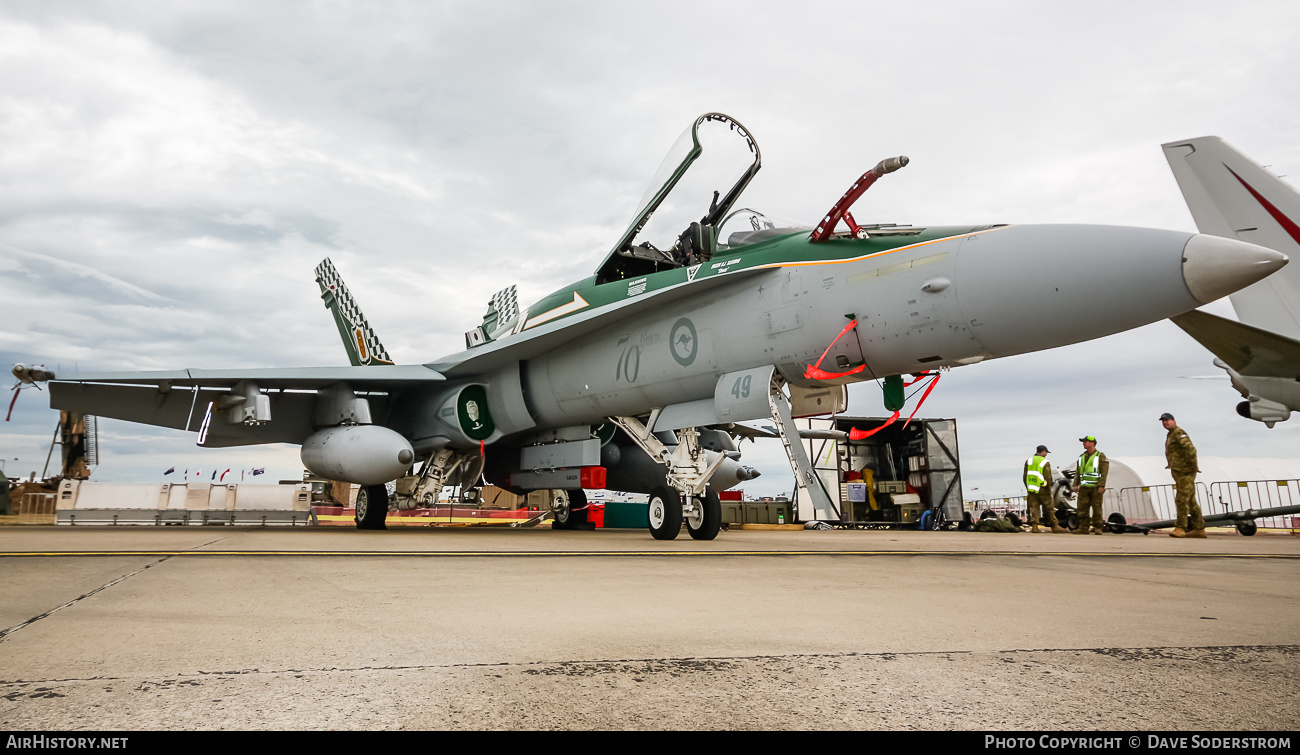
1026, 288
1214, 267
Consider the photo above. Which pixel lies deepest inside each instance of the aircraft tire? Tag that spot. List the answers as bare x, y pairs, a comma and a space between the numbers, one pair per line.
1247, 527
573, 514
372, 507
666, 514
710, 519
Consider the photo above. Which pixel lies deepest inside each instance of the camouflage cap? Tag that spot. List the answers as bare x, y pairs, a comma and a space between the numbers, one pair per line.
1166, 416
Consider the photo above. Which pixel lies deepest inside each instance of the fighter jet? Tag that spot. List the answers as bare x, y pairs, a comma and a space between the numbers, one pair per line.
1232, 196
701, 315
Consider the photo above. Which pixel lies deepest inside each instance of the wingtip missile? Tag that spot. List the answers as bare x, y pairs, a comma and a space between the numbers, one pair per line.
32, 374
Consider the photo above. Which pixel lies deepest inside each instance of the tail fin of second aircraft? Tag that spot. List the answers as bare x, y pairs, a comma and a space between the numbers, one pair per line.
1232, 196
359, 338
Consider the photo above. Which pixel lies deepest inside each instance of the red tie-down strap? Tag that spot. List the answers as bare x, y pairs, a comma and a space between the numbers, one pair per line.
815, 371
856, 434
12, 402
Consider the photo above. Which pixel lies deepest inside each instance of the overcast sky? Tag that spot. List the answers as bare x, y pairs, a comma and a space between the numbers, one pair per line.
172, 173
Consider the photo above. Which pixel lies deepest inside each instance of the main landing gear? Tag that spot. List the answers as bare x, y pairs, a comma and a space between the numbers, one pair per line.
372, 507
569, 509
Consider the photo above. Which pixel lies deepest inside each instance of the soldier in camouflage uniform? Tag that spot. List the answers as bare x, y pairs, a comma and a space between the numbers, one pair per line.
1090, 482
1037, 477
1181, 455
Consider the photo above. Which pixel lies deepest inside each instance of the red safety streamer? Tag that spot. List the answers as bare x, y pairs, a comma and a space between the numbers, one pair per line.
856, 434
14, 401
815, 372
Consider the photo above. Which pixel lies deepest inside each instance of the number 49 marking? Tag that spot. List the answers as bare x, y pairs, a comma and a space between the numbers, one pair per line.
741, 388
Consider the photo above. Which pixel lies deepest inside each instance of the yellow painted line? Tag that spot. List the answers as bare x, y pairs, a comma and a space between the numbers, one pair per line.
539, 554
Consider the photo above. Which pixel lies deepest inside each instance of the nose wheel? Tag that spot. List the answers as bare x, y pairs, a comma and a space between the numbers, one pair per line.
705, 519
665, 514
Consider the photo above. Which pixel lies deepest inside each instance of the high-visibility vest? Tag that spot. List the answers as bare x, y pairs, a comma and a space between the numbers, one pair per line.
1090, 470
1034, 475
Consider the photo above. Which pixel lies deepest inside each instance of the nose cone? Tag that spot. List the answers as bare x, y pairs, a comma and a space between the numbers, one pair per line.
1214, 267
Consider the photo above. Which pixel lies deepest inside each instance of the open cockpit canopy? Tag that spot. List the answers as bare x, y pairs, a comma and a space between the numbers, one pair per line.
664, 232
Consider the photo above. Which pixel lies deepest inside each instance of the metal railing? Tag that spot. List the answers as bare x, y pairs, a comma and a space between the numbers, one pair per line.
1157, 502
1258, 494
1151, 503
1018, 504
36, 508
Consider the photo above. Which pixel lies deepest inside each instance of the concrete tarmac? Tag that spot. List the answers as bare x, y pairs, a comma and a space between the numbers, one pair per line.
142, 628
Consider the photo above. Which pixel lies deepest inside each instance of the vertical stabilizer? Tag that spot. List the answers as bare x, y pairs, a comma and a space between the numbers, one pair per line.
1232, 196
359, 338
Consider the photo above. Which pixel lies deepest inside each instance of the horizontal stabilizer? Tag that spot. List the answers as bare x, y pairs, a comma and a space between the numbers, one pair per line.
1248, 350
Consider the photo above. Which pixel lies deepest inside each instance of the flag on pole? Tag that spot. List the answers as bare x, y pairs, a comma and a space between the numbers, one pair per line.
256, 472
173, 469
214, 475
223, 475
241, 475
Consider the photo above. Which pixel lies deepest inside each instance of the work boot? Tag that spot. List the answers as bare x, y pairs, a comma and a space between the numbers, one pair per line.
1178, 532
1096, 531
1080, 531
1059, 530
1035, 529
1196, 533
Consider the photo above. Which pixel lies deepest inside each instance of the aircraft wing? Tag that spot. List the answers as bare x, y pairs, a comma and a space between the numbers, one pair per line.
362, 378
1246, 349
179, 399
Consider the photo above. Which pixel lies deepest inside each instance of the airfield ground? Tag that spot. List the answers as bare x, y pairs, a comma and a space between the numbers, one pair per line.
323, 628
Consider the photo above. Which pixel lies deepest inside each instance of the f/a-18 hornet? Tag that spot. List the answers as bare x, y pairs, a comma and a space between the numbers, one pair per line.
631, 378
